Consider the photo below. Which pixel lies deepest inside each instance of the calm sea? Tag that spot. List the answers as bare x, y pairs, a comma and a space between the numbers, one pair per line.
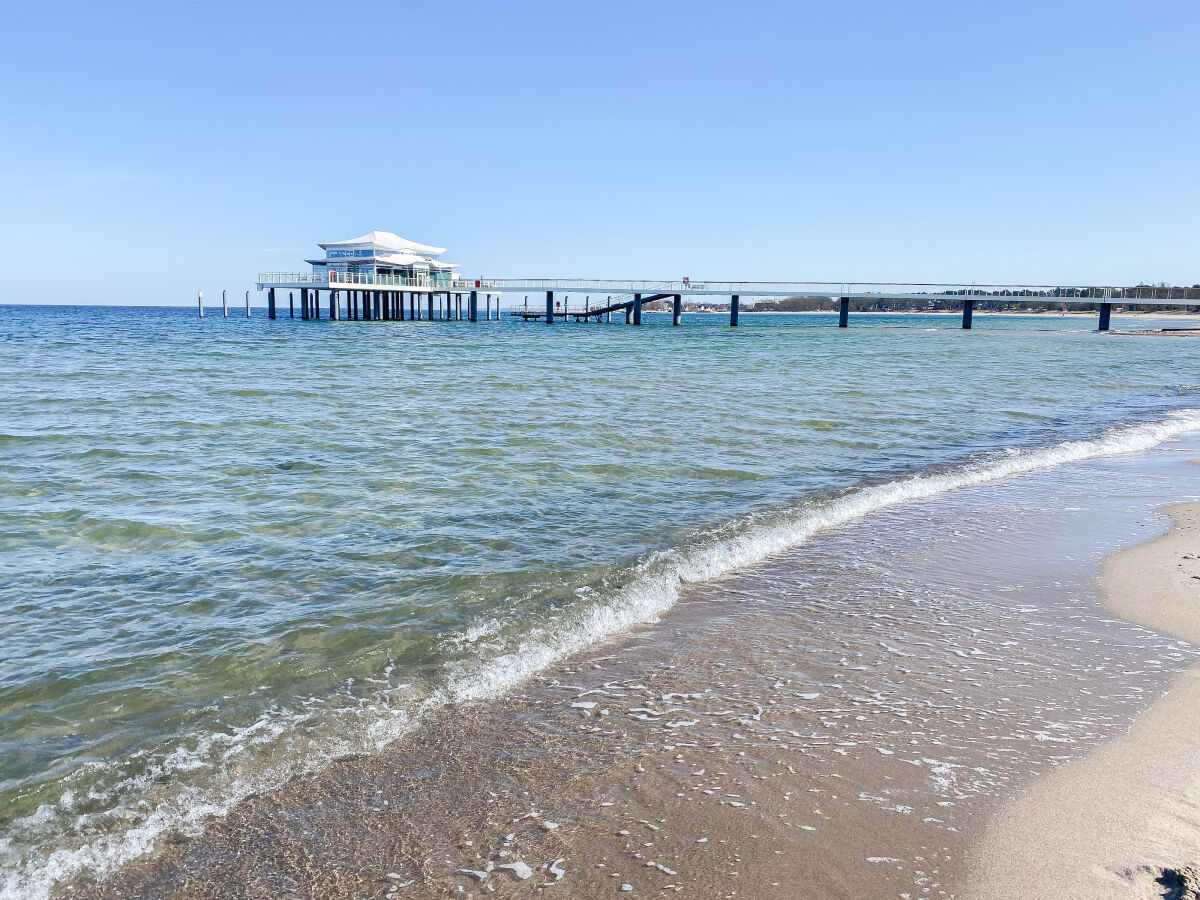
232, 550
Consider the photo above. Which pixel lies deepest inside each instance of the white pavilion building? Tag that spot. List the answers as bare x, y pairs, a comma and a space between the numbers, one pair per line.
385, 253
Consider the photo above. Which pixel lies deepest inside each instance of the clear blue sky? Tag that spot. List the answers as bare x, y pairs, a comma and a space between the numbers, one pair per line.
198, 144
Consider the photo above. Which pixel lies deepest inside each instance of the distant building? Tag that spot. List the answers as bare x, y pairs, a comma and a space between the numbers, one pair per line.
384, 253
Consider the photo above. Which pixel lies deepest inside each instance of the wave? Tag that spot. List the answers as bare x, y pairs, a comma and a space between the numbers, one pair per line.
365, 725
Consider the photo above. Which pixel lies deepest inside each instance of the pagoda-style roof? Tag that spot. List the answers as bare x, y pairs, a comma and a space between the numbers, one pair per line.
385, 241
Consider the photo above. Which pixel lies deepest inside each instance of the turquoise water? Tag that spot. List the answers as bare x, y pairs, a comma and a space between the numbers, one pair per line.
234, 550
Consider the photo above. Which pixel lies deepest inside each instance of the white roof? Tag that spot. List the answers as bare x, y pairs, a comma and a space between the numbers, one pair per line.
383, 240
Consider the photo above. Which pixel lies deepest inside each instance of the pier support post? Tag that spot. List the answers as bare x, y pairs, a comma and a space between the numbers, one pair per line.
473, 307
316, 303
200, 302
1105, 313
968, 308
292, 304
637, 309
677, 310
735, 303
414, 308
247, 304
335, 311
458, 308
304, 304
429, 307
843, 312
270, 303
224, 306
487, 310
549, 307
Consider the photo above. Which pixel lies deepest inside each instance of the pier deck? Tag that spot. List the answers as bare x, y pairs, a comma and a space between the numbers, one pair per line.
384, 297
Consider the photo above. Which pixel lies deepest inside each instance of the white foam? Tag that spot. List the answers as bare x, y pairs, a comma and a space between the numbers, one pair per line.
650, 592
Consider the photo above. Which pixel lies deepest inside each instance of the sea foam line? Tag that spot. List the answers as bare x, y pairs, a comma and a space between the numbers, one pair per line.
652, 590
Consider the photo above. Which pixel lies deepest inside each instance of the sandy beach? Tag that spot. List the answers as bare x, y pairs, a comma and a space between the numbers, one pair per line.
1124, 822
834, 723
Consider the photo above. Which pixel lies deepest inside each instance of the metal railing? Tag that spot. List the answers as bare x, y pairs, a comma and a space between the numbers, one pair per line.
335, 279
1141, 293
872, 290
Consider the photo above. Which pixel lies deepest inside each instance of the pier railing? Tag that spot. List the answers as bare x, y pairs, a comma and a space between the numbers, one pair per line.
882, 290
1162, 293
336, 279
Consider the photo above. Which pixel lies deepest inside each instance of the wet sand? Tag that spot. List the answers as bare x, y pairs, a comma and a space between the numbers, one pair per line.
836, 722
1125, 821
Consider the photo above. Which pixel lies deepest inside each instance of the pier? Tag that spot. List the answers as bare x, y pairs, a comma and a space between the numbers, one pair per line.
384, 297
382, 277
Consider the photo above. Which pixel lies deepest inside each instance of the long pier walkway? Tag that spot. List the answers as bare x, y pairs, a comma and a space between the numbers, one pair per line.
385, 297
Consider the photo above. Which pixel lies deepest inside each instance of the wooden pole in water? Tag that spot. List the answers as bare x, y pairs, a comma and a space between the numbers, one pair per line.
316, 303
637, 309
968, 307
270, 303
292, 304
549, 307
200, 302
224, 305
304, 304
429, 306
1105, 313
843, 312
473, 307
247, 304
335, 306
735, 303
677, 310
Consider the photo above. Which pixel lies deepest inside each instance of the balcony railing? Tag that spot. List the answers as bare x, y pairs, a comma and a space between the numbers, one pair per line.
336, 279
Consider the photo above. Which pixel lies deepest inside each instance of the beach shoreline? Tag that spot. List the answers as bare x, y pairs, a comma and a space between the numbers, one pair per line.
811, 726
1122, 822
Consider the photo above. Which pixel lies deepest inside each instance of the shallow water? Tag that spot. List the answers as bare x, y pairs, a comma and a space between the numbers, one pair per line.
236, 550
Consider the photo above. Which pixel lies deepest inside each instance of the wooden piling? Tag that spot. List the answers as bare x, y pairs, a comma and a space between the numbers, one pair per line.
968, 308
270, 303
637, 309
734, 308
335, 310
549, 307
677, 310
292, 304
247, 304
429, 306
843, 312
224, 306
473, 307
1105, 315
200, 302
304, 304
